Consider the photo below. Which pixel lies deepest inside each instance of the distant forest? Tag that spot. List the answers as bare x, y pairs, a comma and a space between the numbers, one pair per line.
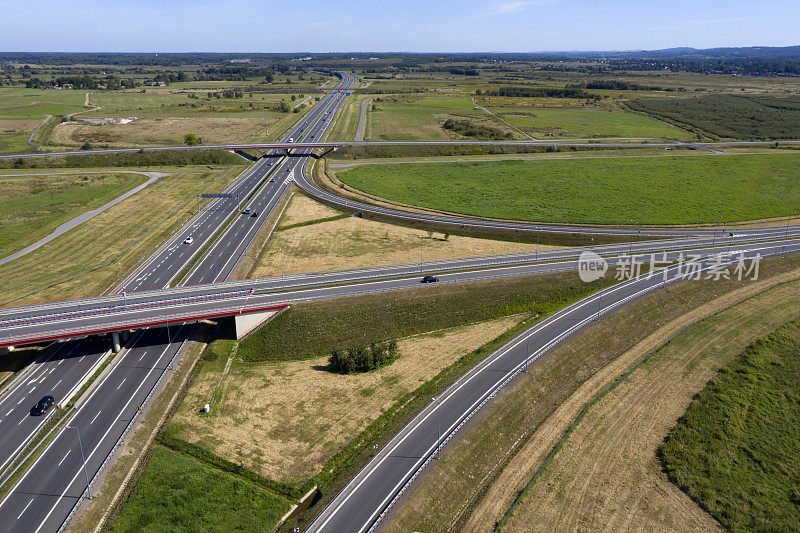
752, 61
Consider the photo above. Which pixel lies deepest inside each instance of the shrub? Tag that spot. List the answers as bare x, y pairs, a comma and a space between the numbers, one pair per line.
362, 358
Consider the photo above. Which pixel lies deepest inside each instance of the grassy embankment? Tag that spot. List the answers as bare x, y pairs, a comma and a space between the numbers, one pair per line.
606, 473
736, 450
181, 491
33, 206
681, 190
307, 333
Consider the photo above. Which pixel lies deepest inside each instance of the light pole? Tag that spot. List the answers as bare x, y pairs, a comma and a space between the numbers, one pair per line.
198, 204
83, 458
169, 344
563, 206
644, 214
630, 248
484, 207
120, 273
416, 192
787, 225
536, 258
420, 251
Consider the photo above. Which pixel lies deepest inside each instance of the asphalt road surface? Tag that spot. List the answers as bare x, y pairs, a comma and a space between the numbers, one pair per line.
50, 489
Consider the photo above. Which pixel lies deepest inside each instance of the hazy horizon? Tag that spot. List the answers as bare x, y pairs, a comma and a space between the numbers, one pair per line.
414, 26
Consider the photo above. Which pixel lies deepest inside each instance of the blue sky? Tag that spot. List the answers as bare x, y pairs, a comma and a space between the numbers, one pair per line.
410, 25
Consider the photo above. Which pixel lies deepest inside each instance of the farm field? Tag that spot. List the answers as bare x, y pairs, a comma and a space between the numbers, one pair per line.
728, 116
31, 206
177, 492
421, 118
607, 472
586, 122
676, 190
311, 237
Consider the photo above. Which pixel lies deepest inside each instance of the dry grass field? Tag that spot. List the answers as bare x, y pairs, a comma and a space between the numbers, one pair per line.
285, 420
611, 479
312, 237
607, 475
161, 130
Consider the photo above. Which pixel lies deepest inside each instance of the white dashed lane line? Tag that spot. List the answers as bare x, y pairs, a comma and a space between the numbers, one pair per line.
26, 508
65, 456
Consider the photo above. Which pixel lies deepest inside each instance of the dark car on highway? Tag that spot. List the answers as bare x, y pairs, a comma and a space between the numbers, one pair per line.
43, 405
254, 214
429, 279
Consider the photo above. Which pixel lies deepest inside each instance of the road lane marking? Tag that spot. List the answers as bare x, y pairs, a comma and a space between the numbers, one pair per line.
121, 382
143, 354
33, 389
23, 420
26, 508
98, 414
9, 411
65, 456
57, 384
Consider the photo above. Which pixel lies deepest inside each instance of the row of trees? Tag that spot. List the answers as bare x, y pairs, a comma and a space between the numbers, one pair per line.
362, 358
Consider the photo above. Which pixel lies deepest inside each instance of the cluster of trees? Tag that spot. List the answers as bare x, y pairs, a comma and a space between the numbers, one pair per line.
471, 129
464, 71
620, 85
363, 358
570, 91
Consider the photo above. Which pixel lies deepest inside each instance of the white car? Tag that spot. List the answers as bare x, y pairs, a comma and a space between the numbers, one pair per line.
188, 240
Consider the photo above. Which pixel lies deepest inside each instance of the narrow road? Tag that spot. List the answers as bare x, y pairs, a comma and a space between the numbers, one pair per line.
362, 119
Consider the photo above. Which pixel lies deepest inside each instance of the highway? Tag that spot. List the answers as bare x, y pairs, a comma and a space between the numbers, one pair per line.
370, 495
551, 142
58, 375
49, 491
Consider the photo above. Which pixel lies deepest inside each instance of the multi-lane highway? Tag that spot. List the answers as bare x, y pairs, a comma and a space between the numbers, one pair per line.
44, 497
50, 487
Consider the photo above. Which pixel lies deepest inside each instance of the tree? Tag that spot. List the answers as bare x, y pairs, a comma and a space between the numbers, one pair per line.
86, 145
191, 139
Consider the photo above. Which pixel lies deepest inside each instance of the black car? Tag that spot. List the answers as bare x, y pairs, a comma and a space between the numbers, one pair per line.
429, 279
43, 405
254, 214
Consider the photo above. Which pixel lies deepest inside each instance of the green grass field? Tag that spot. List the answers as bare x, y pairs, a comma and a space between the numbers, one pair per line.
677, 190
179, 493
21, 103
586, 122
32, 206
736, 451
413, 118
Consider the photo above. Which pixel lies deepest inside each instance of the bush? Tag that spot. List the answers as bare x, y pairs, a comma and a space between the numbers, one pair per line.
362, 358
470, 129
191, 139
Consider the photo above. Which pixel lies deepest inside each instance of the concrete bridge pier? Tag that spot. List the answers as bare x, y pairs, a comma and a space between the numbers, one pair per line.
115, 341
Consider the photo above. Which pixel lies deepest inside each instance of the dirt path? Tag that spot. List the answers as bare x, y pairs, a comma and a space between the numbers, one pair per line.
513, 127
607, 474
83, 217
30, 139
